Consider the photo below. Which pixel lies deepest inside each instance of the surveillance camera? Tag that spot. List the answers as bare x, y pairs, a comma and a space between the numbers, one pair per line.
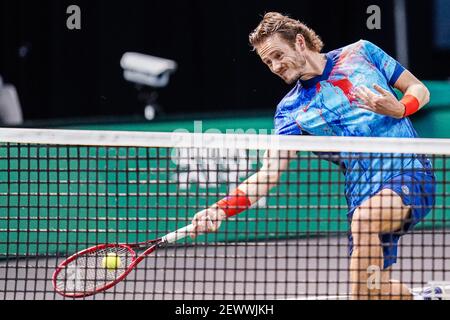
147, 70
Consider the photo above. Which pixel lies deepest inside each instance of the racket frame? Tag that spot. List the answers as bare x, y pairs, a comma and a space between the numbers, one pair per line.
148, 246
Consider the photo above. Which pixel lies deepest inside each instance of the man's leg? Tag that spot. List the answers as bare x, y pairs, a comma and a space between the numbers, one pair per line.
383, 213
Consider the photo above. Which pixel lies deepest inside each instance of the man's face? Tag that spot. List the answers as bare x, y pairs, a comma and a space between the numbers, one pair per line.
282, 59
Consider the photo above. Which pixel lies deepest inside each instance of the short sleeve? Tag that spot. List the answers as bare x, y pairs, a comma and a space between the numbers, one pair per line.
285, 125
387, 65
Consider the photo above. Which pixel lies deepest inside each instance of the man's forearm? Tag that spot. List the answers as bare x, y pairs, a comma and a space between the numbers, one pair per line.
259, 184
246, 194
420, 92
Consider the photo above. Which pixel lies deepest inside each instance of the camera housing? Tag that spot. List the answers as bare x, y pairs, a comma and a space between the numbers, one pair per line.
147, 70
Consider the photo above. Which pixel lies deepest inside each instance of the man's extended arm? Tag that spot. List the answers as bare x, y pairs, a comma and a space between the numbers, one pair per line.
255, 187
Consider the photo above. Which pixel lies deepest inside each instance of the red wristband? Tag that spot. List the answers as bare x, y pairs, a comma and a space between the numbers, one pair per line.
411, 105
235, 203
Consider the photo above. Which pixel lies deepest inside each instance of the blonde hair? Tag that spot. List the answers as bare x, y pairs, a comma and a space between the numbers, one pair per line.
287, 28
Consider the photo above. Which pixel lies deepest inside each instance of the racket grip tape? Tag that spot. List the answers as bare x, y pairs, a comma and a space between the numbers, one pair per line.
178, 235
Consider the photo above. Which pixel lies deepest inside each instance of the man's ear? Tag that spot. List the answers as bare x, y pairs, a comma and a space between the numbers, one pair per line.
300, 43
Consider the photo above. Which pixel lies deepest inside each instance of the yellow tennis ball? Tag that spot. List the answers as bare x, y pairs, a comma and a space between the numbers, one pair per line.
111, 261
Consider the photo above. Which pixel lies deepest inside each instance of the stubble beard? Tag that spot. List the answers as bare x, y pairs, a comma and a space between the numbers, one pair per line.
300, 65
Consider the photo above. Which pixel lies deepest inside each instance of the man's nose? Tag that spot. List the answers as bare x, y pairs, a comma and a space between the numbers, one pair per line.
276, 66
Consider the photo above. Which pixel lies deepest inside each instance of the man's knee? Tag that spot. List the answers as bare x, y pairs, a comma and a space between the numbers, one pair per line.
383, 212
364, 222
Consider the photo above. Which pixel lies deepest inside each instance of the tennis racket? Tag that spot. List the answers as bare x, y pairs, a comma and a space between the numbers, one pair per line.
85, 273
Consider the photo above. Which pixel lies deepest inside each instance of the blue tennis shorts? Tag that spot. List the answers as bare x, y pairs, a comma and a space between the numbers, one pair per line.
417, 190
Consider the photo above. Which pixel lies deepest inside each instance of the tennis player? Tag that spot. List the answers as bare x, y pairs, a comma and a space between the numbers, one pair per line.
345, 92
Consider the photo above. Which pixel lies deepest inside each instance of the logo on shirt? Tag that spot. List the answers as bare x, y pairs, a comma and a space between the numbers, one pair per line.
405, 190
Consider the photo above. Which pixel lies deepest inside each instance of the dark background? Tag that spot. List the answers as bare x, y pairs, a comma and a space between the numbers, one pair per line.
76, 74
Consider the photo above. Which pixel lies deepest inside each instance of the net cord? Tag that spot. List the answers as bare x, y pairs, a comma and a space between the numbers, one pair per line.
225, 141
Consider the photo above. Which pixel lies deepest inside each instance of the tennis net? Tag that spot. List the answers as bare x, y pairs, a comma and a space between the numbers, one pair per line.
325, 229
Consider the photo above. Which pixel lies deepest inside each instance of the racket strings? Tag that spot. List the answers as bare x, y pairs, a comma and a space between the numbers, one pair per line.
88, 273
